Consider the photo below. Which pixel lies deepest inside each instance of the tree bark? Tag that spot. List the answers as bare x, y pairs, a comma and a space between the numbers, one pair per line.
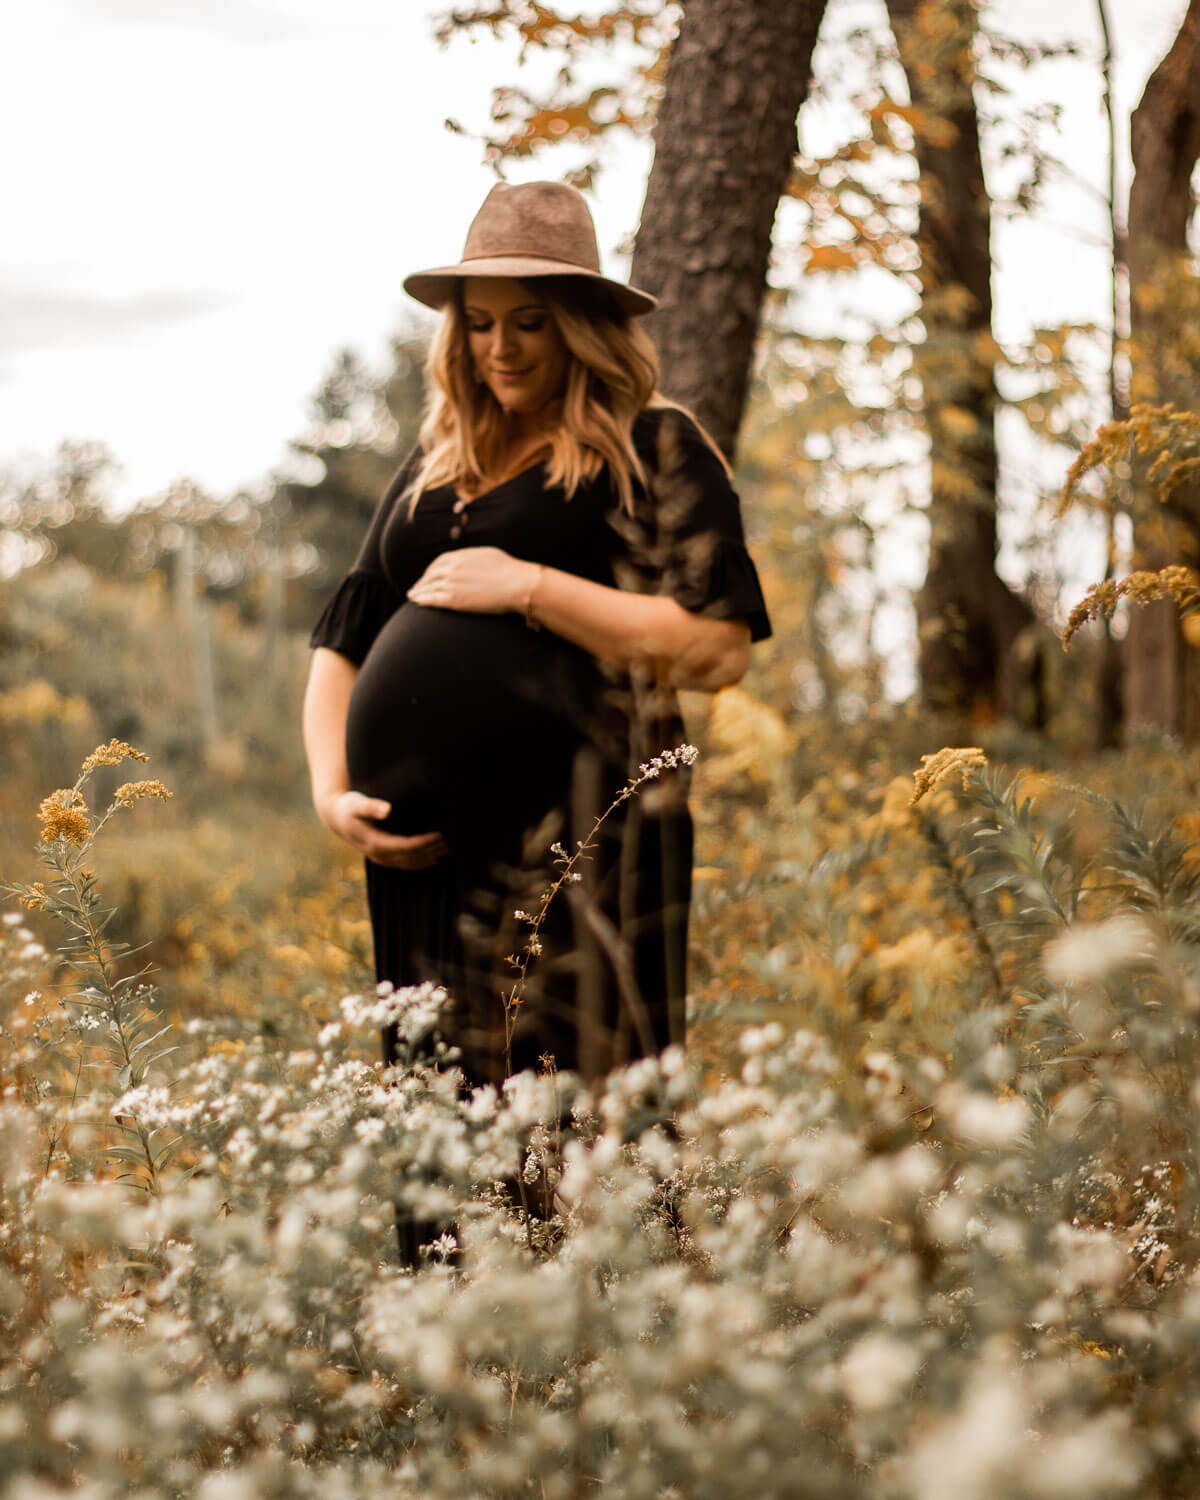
1161, 671
1165, 137
724, 144
969, 621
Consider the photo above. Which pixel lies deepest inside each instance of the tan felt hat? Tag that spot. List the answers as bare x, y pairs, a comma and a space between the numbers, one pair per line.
525, 230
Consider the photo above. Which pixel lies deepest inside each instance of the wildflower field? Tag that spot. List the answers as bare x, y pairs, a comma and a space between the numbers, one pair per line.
915, 1216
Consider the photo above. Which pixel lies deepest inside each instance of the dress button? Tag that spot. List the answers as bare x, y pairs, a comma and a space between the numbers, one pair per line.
456, 532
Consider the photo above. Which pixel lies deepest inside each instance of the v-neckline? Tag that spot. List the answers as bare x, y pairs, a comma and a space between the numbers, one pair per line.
462, 503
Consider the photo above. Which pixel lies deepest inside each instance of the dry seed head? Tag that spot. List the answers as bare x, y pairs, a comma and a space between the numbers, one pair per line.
1174, 582
112, 754
134, 791
1160, 433
939, 764
35, 897
63, 815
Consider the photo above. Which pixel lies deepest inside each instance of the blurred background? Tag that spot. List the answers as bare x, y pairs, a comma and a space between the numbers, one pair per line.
209, 372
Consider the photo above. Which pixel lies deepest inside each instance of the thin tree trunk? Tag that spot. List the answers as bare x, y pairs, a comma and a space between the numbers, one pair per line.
185, 582
1109, 674
205, 672
724, 145
273, 604
1162, 676
968, 619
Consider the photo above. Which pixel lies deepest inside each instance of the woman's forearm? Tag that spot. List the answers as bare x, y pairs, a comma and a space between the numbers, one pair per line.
630, 628
326, 701
616, 625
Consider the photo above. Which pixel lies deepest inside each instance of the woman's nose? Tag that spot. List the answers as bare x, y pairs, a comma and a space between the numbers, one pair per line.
502, 340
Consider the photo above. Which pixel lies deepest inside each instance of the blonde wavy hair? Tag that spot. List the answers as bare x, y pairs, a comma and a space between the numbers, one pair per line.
612, 375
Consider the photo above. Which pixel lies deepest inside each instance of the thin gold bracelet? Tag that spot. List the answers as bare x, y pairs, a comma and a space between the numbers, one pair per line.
537, 578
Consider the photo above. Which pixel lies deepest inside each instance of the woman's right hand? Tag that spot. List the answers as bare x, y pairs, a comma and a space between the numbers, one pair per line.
353, 816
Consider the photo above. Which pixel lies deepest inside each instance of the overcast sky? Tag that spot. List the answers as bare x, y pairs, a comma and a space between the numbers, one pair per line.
205, 199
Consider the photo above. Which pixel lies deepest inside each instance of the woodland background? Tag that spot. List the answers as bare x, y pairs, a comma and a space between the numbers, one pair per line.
861, 415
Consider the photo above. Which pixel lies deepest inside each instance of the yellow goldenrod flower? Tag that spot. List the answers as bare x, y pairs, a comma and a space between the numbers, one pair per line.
63, 815
1176, 582
134, 791
939, 764
35, 897
112, 754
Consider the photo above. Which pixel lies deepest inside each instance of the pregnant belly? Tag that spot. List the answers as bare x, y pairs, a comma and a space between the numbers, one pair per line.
466, 721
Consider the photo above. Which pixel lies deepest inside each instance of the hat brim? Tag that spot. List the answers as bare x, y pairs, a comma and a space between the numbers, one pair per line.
435, 288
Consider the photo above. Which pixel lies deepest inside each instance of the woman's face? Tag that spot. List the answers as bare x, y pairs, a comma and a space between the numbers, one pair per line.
515, 343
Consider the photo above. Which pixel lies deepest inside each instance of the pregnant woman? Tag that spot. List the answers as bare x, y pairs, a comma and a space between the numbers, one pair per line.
561, 551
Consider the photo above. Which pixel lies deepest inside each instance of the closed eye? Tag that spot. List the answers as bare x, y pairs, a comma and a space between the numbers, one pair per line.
534, 319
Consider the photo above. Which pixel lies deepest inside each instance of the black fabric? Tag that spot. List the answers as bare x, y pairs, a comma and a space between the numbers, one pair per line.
360, 607
685, 537
506, 740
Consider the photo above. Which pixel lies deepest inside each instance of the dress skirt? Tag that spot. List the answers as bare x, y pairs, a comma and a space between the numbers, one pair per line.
610, 982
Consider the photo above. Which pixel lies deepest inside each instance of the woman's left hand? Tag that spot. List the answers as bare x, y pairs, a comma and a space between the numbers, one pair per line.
480, 580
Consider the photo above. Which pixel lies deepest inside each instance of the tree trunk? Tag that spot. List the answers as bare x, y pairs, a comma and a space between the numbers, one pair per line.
969, 621
205, 672
1165, 133
724, 145
1162, 674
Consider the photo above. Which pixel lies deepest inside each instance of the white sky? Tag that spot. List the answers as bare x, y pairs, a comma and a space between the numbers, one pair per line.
204, 199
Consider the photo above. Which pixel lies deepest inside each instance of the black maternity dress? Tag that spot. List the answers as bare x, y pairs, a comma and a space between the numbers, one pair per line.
507, 739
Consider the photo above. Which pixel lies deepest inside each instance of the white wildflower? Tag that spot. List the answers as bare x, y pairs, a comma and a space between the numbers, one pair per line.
970, 1454
444, 1246
756, 1039
1091, 1258
413, 1009
1090, 950
668, 760
230, 1486
982, 1119
1096, 1457
877, 1370
241, 1147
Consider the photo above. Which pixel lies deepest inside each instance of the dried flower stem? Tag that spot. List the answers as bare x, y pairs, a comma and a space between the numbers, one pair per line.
67, 837
1174, 582
939, 764
651, 770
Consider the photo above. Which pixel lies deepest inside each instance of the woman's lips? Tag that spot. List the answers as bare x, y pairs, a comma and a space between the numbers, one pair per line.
509, 374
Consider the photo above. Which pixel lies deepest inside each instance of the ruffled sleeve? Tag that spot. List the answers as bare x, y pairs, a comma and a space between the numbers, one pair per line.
359, 609
365, 600
723, 583
686, 538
